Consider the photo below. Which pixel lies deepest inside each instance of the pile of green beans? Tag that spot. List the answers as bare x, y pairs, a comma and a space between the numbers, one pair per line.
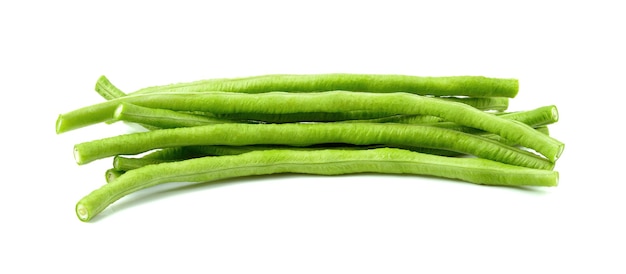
454, 127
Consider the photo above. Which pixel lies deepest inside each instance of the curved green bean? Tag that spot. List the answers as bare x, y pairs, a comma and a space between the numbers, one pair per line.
162, 118
494, 103
112, 174
121, 163
107, 90
332, 101
473, 86
321, 162
309, 134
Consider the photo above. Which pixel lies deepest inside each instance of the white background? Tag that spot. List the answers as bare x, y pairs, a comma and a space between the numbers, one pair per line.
567, 53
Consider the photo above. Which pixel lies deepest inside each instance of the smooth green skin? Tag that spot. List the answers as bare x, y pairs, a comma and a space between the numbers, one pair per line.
107, 90
321, 162
121, 163
495, 103
112, 174
332, 101
490, 103
472, 86
162, 118
306, 135
534, 118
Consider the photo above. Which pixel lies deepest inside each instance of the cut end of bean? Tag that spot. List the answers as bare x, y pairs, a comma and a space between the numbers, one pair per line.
78, 157
556, 181
82, 213
112, 174
560, 151
555, 114
59, 124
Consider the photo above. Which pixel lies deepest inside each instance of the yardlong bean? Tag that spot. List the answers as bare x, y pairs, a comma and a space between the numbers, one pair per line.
162, 118
332, 101
497, 104
309, 134
473, 86
321, 162
107, 90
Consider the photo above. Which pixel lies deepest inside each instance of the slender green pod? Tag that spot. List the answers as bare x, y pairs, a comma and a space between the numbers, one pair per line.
320, 162
170, 153
534, 118
482, 103
112, 174
124, 163
306, 135
402, 119
107, 90
472, 86
332, 101
162, 118
121, 163
485, 104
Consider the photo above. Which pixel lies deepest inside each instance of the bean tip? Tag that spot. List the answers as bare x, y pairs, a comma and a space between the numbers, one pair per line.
555, 114
59, 124
78, 157
82, 212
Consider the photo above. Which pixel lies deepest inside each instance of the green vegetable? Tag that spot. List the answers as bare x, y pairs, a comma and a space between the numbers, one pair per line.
162, 118
107, 90
498, 104
280, 102
325, 124
309, 134
322, 162
112, 174
472, 86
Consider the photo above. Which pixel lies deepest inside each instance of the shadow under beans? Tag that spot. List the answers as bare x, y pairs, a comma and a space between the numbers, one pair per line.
166, 190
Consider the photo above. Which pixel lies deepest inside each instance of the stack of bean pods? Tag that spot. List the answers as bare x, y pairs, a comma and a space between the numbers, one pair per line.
326, 124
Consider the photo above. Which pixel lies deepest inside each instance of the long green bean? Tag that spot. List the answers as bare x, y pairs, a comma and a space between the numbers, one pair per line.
322, 162
473, 86
495, 103
121, 163
162, 118
308, 134
107, 90
280, 102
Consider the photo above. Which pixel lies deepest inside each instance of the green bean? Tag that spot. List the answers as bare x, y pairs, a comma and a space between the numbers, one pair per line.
304, 116
308, 134
537, 117
280, 102
482, 103
473, 86
321, 162
121, 163
534, 118
162, 118
495, 103
107, 90
124, 163
402, 119
112, 174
